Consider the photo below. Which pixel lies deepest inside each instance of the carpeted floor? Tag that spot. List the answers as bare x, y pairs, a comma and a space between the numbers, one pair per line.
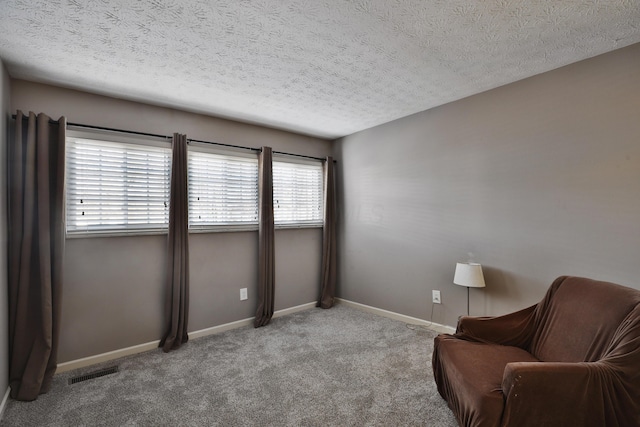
338, 367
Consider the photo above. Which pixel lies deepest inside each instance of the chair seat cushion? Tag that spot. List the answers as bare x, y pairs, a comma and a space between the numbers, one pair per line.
469, 377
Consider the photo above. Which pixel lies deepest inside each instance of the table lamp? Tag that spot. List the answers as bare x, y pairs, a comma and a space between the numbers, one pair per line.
469, 274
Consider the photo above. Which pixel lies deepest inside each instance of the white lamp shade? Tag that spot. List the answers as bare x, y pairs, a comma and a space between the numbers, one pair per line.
469, 274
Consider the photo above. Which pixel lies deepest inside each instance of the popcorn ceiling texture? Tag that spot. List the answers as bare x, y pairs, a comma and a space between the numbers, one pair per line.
326, 68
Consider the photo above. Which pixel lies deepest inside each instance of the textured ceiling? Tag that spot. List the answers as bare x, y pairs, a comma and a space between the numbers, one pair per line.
321, 67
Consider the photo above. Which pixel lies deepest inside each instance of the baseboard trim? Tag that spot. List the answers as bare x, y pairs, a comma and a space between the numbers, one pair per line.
105, 357
397, 316
3, 405
140, 348
220, 328
248, 321
295, 309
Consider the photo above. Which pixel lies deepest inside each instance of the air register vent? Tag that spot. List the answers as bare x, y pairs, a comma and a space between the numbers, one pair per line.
92, 375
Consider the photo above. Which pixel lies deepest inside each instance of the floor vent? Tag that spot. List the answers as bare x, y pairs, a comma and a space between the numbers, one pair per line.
92, 375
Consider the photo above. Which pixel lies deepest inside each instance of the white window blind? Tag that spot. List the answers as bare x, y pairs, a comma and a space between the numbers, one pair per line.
116, 186
223, 189
298, 193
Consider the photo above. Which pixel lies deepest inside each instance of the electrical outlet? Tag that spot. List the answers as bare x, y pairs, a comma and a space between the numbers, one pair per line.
435, 296
243, 294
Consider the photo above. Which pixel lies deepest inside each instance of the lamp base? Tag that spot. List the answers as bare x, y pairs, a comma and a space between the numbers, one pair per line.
467, 300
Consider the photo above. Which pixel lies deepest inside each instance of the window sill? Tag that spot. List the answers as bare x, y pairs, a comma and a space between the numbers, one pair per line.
114, 233
195, 230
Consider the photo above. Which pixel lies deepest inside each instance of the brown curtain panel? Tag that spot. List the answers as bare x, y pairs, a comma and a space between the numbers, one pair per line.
177, 298
36, 247
328, 271
266, 263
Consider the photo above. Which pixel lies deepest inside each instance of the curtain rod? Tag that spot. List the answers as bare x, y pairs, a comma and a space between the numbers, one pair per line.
154, 135
224, 145
133, 132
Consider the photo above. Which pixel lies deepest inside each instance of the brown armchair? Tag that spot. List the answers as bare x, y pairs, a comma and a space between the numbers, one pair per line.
571, 360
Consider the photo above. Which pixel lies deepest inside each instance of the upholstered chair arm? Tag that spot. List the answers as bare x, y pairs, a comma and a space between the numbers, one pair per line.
515, 329
566, 394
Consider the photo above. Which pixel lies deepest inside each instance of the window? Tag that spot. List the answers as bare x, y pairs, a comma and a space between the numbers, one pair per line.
297, 193
223, 189
116, 184
119, 183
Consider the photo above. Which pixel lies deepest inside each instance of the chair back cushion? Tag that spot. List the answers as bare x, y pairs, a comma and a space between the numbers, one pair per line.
578, 318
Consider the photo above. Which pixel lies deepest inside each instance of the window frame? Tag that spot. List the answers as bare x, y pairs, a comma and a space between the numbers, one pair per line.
124, 139
225, 151
293, 159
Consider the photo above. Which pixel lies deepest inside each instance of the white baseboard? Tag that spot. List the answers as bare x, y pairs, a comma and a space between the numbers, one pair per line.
221, 328
397, 316
291, 310
105, 357
116, 354
248, 321
3, 405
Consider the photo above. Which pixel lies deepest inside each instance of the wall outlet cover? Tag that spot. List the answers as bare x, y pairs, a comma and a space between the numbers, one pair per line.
243, 294
435, 296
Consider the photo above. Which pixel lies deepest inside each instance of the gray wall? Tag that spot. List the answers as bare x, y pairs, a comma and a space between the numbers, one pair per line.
113, 293
534, 180
4, 311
